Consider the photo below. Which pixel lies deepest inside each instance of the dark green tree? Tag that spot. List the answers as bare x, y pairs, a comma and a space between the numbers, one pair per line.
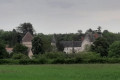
114, 50
14, 39
25, 27
59, 46
19, 48
37, 45
46, 40
100, 46
3, 53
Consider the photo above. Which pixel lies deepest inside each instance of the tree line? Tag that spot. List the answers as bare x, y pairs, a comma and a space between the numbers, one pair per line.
106, 46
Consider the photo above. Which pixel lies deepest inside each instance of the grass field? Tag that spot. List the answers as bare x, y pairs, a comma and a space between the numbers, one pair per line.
60, 72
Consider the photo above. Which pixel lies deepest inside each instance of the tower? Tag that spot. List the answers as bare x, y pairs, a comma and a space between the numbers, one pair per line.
27, 41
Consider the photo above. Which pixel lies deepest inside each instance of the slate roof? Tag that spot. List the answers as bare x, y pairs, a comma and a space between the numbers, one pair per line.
71, 43
27, 38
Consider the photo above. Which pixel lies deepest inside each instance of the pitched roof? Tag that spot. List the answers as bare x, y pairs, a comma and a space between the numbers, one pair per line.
9, 50
71, 43
27, 38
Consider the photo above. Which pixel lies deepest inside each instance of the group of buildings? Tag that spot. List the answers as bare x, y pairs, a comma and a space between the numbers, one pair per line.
79, 46
69, 46
26, 41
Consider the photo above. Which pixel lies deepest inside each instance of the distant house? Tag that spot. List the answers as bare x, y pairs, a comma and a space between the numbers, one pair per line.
79, 46
71, 46
27, 41
9, 50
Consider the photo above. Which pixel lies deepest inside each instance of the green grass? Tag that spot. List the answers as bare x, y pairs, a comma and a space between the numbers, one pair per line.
60, 72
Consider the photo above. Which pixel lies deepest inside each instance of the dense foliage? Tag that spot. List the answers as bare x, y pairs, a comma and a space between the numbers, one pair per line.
25, 27
114, 50
19, 48
3, 53
104, 49
100, 46
37, 45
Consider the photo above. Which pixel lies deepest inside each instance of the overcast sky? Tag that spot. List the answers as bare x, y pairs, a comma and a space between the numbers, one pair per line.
61, 16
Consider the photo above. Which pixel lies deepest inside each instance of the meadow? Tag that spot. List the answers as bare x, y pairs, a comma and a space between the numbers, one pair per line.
60, 72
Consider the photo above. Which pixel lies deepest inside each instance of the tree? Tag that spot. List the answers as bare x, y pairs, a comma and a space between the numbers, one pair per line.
37, 45
59, 46
3, 53
25, 27
114, 50
19, 48
46, 40
99, 28
14, 39
111, 37
100, 46
80, 31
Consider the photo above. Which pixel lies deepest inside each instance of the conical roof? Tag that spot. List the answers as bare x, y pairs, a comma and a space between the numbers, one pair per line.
27, 38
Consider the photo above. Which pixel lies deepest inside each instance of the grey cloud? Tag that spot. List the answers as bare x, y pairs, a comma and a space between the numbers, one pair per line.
49, 16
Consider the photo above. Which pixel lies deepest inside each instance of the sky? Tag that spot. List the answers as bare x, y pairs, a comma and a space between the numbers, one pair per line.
60, 16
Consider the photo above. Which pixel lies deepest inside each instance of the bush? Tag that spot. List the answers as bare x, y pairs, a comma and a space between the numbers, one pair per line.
19, 56
58, 61
54, 55
70, 61
42, 60
88, 55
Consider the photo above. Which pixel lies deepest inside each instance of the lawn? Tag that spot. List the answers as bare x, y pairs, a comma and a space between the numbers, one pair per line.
60, 72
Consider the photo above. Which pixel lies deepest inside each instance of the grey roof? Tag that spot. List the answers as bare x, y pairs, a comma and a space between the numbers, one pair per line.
71, 43
27, 38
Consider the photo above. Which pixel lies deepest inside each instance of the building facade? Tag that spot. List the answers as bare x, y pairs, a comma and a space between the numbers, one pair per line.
80, 46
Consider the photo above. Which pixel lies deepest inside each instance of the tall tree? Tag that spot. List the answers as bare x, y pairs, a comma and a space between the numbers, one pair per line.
25, 27
37, 45
100, 46
3, 53
46, 40
99, 28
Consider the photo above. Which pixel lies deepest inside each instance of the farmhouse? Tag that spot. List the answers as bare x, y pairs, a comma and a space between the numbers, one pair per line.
71, 46
9, 50
79, 46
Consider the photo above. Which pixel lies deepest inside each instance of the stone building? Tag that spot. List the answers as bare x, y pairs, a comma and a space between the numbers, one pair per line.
79, 46
71, 46
27, 41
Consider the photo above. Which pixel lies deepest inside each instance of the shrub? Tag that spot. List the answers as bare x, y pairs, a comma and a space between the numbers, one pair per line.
19, 56
54, 55
87, 55
70, 61
58, 61
42, 60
